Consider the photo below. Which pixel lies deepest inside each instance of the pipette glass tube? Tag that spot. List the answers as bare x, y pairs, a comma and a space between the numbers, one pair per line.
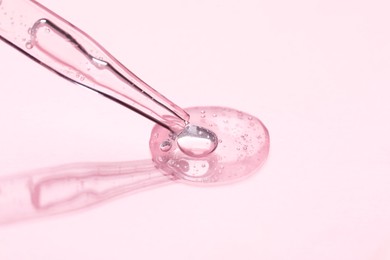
65, 49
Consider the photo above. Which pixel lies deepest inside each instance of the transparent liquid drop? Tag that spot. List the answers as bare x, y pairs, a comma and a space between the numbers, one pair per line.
190, 160
197, 141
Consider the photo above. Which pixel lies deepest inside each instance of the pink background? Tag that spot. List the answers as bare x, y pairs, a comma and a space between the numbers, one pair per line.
315, 72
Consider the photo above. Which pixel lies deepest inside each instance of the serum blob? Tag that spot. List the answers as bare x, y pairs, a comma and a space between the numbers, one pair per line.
220, 145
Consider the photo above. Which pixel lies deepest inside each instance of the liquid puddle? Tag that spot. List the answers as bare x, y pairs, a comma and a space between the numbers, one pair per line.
243, 145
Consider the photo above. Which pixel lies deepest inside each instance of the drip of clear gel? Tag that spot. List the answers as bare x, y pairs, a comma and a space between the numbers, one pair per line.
243, 145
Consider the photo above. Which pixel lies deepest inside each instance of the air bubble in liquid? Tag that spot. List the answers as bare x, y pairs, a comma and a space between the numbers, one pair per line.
165, 146
183, 165
29, 45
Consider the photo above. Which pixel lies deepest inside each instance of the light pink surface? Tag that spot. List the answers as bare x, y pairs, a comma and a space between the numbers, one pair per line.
315, 72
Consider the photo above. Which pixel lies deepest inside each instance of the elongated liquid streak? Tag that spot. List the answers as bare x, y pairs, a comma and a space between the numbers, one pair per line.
66, 188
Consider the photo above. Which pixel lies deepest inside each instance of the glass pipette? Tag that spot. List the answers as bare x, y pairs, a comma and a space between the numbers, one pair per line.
63, 48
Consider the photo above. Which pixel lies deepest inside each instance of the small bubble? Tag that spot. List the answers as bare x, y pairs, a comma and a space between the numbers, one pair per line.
220, 141
202, 111
183, 165
203, 116
238, 148
29, 31
29, 45
81, 77
165, 146
203, 165
250, 117
215, 115
225, 121
47, 30
245, 147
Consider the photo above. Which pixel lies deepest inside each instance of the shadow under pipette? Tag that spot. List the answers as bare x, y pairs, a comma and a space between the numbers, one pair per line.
76, 186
